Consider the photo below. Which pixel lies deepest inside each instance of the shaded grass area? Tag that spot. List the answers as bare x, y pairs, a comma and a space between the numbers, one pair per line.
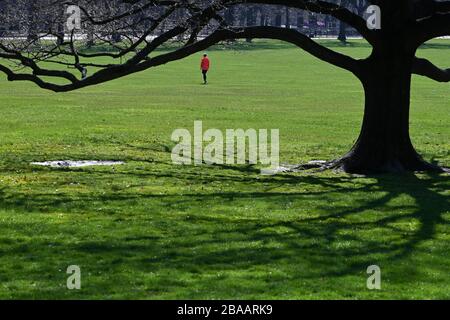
152, 230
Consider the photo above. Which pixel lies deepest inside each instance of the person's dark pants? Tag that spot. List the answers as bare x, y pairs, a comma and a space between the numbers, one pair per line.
205, 78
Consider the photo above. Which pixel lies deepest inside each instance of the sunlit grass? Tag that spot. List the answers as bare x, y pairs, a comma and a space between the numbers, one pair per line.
152, 230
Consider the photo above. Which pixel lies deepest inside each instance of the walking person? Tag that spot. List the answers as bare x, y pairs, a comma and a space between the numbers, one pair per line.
204, 66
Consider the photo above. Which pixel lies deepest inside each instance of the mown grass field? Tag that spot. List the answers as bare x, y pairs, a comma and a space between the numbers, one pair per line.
153, 230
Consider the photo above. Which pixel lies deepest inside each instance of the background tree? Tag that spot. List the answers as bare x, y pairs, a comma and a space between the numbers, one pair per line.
357, 6
384, 144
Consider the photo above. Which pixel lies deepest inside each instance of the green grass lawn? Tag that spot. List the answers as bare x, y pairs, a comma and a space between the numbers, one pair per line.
153, 230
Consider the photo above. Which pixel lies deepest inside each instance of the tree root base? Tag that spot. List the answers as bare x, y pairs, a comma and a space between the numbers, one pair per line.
353, 166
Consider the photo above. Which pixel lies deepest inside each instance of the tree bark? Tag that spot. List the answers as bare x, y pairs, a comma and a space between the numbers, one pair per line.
384, 144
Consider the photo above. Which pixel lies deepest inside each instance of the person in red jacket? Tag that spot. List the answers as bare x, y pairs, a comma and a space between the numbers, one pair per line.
204, 66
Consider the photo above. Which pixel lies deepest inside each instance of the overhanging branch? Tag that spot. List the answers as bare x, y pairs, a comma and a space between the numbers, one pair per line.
324, 7
137, 54
288, 35
424, 67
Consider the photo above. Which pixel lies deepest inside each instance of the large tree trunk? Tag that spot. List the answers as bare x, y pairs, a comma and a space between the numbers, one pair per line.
384, 144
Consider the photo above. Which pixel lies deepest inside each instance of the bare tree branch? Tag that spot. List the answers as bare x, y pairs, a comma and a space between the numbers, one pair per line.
146, 26
324, 7
424, 67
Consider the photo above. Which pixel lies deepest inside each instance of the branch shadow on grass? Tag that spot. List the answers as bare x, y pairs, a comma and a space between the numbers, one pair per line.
343, 225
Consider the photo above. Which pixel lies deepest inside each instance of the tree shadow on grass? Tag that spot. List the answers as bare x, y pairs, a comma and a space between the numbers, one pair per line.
283, 229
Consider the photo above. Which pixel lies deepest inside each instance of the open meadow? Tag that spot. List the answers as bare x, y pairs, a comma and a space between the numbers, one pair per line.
149, 229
